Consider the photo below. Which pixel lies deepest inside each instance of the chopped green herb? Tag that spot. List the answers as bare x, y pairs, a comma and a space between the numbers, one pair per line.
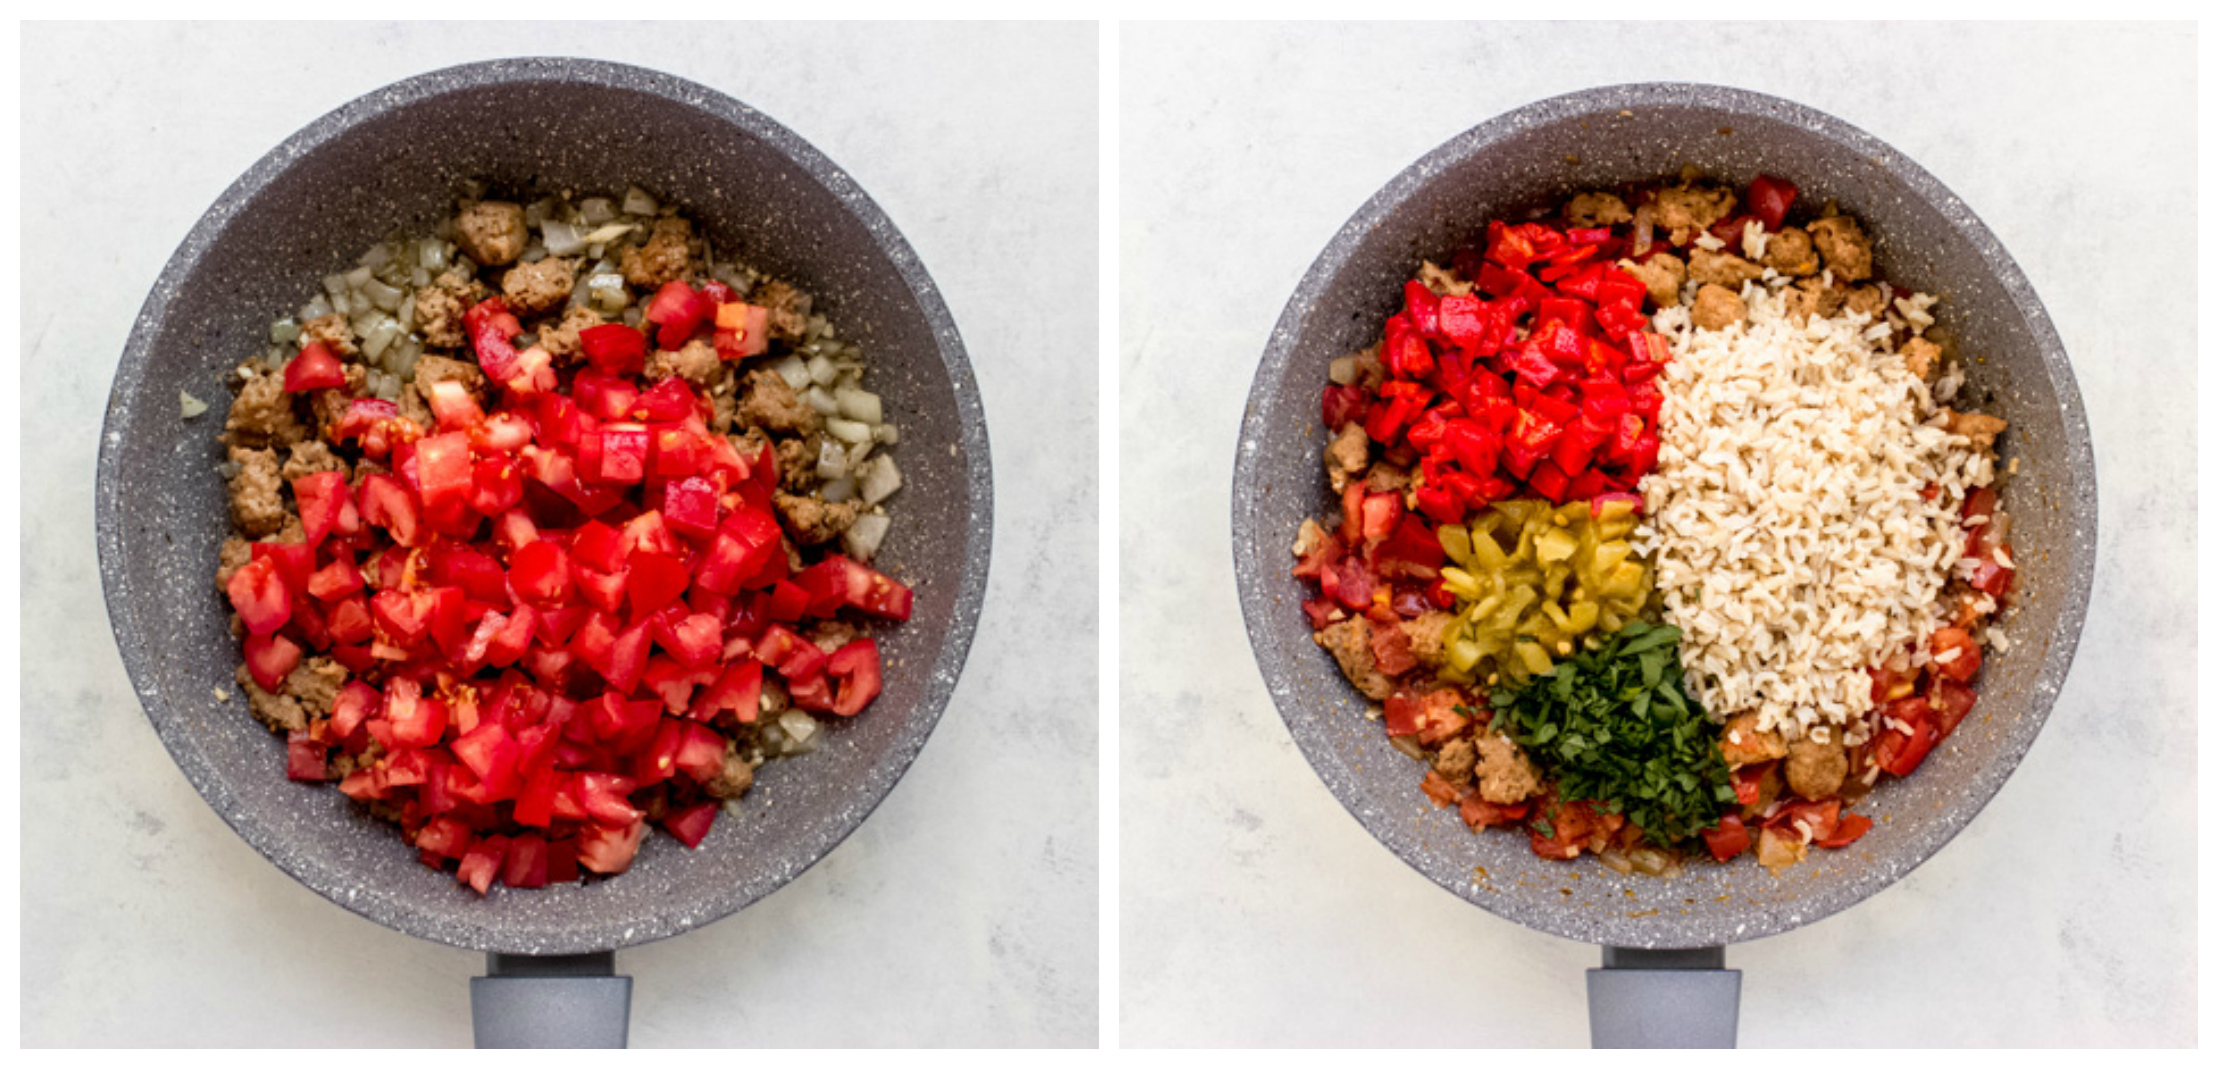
1615, 726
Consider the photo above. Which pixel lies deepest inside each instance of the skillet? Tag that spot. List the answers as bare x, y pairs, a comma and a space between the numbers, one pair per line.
390, 161
1663, 980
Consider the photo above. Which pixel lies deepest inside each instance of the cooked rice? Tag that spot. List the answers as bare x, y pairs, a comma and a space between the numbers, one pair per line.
1792, 543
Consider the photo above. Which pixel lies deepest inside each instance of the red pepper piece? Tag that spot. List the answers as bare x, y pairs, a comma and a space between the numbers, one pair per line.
316, 368
1770, 198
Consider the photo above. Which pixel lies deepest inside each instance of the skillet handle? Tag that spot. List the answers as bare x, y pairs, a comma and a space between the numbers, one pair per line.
572, 1000
1663, 998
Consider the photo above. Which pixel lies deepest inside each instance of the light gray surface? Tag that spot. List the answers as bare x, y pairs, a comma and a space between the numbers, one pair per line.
962, 912
1256, 911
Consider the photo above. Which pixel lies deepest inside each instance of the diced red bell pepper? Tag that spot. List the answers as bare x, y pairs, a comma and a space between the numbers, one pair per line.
1963, 663
1729, 839
1850, 828
1901, 750
1770, 198
1549, 481
259, 595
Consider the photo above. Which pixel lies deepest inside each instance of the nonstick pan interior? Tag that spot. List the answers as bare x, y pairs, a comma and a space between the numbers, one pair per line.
1523, 162
391, 162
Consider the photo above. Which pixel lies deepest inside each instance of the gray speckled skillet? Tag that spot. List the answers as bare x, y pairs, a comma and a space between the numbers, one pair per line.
1532, 158
390, 161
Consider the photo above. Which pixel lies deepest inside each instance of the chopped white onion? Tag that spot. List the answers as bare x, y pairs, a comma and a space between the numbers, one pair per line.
381, 295
846, 430
357, 277
794, 371
538, 211
284, 330
819, 399
335, 285
380, 336
857, 455
194, 406
432, 255
595, 210
860, 406
822, 371
838, 490
377, 257
606, 234
867, 534
562, 239
831, 460
799, 727
316, 308
887, 433
637, 202
880, 480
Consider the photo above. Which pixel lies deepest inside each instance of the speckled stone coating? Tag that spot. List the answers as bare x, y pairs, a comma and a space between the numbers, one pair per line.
390, 161
1511, 167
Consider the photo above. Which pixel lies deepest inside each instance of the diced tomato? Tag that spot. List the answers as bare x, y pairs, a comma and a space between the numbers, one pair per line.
304, 758
269, 659
259, 595
606, 797
387, 503
525, 864
414, 720
326, 506
295, 562
316, 368
742, 330
657, 579
481, 865
608, 850
540, 573
492, 330
738, 691
676, 310
614, 349
691, 824
855, 671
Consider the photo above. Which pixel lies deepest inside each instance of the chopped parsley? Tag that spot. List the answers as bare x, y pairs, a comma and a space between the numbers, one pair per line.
1615, 726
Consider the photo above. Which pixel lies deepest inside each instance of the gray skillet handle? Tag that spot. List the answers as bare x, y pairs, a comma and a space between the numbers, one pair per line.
574, 1000
1663, 998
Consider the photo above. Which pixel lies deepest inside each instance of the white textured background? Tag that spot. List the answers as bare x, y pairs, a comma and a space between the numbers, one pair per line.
962, 912
1256, 911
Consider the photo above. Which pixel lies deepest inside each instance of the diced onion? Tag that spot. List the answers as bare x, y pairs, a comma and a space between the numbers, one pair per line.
381, 295
868, 532
380, 336
194, 406
637, 202
794, 371
800, 728
858, 454
1407, 744
562, 239
432, 255
831, 460
822, 371
335, 285
317, 308
606, 234
880, 480
821, 400
284, 330
595, 210
887, 433
860, 406
838, 490
357, 277
847, 430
